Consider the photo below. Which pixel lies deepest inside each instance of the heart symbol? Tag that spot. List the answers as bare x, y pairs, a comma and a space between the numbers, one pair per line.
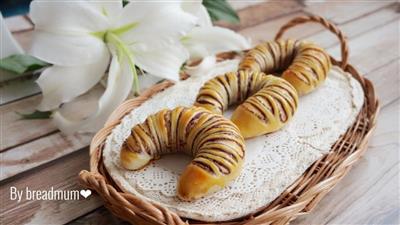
86, 193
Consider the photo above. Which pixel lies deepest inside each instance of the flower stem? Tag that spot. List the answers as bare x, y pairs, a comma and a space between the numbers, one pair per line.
122, 48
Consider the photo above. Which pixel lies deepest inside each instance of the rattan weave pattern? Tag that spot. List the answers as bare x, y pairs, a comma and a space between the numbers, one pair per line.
301, 197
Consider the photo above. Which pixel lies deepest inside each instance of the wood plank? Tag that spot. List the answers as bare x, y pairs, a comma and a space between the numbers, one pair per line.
24, 39
100, 216
16, 128
21, 29
311, 31
12, 86
266, 31
381, 188
61, 174
40, 151
18, 23
359, 25
373, 49
18, 88
386, 81
238, 5
256, 14
369, 193
340, 11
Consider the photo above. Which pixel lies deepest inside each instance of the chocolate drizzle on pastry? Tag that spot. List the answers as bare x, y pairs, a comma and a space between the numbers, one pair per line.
304, 64
267, 101
213, 141
270, 99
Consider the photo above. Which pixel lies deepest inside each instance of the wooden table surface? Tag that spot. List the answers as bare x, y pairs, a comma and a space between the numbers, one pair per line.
34, 153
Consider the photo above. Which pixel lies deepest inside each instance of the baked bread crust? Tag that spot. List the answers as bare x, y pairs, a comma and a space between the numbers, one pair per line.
267, 102
304, 64
214, 141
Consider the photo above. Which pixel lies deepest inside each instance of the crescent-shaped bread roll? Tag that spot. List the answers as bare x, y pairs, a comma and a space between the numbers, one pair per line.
214, 142
269, 102
304, 64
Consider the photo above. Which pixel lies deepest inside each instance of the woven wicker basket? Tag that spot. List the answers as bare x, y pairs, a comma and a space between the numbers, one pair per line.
299, 198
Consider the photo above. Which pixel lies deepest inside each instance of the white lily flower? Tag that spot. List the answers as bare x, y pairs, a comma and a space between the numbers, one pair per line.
116, 92
78, 38
203, 67
206, 40
197, 9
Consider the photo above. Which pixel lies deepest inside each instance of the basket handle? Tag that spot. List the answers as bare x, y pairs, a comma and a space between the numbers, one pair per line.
330, 26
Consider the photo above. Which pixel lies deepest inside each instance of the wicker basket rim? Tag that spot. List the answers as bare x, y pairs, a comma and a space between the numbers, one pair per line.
300, 197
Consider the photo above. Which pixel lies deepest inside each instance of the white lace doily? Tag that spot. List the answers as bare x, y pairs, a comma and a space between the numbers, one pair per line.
272, 162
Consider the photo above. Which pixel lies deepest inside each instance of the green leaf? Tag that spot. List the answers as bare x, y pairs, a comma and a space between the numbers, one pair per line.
20, 63
124, 2
36, 115
221, 10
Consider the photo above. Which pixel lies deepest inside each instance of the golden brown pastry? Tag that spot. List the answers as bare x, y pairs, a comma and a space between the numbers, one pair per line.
304, 64
215, 143
269, 101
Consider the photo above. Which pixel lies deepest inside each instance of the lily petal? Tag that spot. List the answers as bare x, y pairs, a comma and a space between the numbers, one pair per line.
205, 41
203, 67
155, 24
197, 9
109, 8
68, 16
67, 50
119, 84
164, 62
147, 80
61, 84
